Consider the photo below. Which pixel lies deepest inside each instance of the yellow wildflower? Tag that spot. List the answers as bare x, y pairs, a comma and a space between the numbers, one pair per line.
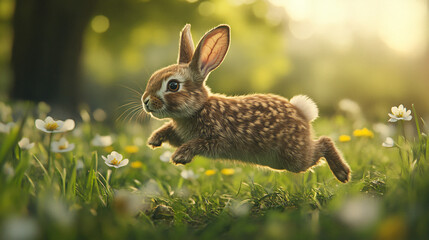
131, 149
136, 164
227, 171
392, 228
364, 132
210, 172
108, 149
344, 138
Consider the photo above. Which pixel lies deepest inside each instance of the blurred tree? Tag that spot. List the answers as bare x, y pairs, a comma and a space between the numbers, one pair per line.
47, 43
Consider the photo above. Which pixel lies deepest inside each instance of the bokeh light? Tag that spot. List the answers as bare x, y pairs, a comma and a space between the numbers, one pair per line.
100, 24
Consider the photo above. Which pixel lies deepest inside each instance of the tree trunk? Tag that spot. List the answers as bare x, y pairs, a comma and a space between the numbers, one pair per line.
48, 36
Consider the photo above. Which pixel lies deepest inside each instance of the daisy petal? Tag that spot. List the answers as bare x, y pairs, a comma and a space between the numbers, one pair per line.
117, 156
68, 125
60, 125
40, 124
123, 163
49, 119
71, 146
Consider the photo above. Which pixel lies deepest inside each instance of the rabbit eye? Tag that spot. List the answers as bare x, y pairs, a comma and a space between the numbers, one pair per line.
173, 85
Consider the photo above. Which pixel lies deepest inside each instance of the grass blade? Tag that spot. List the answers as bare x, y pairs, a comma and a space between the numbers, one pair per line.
71, 186
416, 119
42, 167
8, 144
22, 167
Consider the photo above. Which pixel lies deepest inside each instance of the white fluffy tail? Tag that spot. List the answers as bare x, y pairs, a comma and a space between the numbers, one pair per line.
307, 107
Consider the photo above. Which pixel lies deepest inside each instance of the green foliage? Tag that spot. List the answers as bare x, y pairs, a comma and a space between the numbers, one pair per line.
265, 56
83, 198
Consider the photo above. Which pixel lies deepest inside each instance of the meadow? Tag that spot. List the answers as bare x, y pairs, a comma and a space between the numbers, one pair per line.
53, 188
80, 167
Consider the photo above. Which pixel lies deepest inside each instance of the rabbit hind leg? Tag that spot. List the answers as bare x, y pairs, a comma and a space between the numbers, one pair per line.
325, 147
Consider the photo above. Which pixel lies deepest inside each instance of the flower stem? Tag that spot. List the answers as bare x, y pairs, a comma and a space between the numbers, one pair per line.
112, 180
402, 129
50, 167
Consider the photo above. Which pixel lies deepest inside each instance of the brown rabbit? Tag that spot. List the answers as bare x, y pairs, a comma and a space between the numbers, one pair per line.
262, 129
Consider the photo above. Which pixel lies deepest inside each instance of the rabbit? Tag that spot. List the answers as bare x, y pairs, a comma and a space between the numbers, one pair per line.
261, 129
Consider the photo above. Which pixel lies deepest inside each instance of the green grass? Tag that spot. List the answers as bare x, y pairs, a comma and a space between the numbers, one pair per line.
83, 198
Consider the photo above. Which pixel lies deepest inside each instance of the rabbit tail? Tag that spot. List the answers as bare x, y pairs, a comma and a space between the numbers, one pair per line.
306, 106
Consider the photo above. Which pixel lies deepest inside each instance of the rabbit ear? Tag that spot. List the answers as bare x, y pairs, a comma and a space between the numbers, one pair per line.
186, 45
211, 50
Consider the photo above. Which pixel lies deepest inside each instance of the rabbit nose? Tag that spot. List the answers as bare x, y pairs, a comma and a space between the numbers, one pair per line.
146, 104
145, 101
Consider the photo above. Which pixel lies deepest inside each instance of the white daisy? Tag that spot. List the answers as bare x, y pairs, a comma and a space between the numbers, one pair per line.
115, 160
400, 113
188, 174
62, 146
349, 106
25, 144
165, 157
388, 142
5, 128
101, 141
49, 125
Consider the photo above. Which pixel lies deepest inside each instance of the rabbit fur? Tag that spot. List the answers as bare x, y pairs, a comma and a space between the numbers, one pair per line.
262, 129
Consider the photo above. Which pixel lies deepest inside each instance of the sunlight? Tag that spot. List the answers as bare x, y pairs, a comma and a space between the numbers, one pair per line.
298, 10
400, 24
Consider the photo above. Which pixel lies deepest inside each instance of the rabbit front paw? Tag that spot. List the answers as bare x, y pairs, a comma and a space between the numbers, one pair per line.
154, 141
183, 155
